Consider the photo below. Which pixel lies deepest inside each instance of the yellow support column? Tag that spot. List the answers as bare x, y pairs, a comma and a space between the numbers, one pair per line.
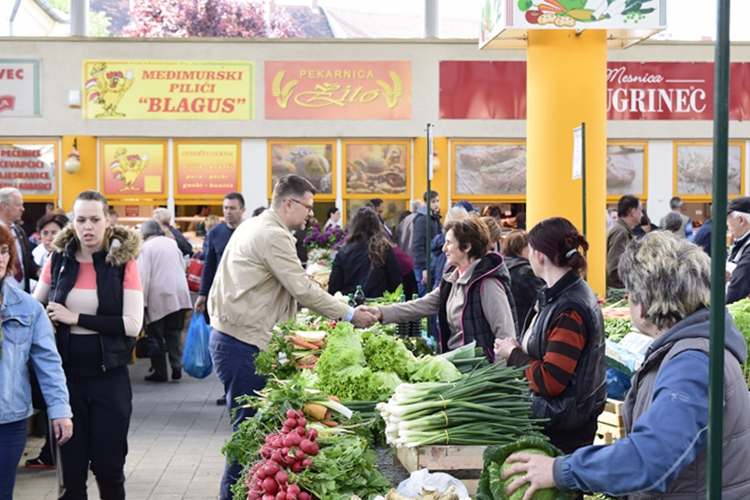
567, 85
440, 174
85, 178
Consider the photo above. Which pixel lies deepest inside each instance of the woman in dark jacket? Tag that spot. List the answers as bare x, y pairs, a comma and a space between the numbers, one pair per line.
366, 259
524, 284
563, 343
93, 294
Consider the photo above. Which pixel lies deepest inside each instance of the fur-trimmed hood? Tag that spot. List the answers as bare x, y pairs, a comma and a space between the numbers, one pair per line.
124, 243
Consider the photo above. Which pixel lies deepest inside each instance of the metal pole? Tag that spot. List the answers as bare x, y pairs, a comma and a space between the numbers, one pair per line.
431, 16
583, 173
79, 17
718, 252
428, 219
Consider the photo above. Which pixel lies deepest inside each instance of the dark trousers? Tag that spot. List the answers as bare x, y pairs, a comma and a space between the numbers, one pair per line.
167, 331
102, 407
234, 363
12, 442
38, 402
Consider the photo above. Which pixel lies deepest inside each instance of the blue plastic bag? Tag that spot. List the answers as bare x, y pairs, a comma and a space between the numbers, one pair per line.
618, 384
196, 360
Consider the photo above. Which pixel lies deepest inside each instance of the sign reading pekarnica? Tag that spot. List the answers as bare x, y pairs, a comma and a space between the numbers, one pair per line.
30, 168
338, 90
168, 90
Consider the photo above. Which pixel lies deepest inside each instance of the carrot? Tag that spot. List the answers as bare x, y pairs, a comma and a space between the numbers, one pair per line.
306, 367
556, 4
334, 399
330, 423
318, 344
302, 343
548, 8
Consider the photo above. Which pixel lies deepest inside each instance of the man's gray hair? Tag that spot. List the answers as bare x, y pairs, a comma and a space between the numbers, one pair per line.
675, 203
456, 213
672, 222
669, 276
6, 195
736, 215
416, 205
150, 228
162, 215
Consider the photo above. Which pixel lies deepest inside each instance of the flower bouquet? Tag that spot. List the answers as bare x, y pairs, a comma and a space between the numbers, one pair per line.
321, 250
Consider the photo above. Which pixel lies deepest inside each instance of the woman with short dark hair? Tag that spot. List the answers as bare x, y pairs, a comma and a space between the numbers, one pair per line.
473, 300
365, 259
524, 284
563, 342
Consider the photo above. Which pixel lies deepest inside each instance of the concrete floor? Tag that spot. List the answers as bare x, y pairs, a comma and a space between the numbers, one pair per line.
176, 435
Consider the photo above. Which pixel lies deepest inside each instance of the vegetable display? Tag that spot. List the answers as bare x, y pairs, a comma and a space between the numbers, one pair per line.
491, 484
615, 329
740, 311
489, 406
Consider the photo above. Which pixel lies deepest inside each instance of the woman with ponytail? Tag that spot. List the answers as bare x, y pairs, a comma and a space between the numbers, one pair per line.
367, 259
92, 290
563, 342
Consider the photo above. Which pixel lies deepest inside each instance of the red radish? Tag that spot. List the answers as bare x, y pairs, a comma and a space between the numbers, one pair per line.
288, 441
301, 422
314, 451
281, 496
304, 496
253, 495
297, 467
285, 451
295, 439
300, 414
307, 462
278, 458
291, 413
290, 423
270, 486
271, 468
268, 496
290, 496
312, 434
261, 474
299, 455
294, 489
290, 460
306, 446
282, 476
301, 431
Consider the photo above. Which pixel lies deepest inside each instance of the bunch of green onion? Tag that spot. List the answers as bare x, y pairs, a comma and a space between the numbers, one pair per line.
489, 406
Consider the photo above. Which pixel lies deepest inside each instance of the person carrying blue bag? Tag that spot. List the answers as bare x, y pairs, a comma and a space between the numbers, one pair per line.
196, 358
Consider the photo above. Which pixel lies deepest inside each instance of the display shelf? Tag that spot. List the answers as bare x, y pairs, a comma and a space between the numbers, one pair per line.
610, 423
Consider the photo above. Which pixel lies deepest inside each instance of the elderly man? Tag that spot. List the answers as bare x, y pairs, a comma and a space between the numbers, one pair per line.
164, 217
686, 229
258, 284
11, 209
629, 214
738, 263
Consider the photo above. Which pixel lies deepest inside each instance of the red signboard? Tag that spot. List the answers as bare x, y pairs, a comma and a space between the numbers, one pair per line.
649, 91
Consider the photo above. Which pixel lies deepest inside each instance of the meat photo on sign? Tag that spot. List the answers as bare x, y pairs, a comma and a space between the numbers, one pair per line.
695, 169
490, 169
376, 168
625, 169
309, 160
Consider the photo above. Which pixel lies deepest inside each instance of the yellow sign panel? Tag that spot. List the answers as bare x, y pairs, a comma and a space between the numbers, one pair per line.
133, 168
168, 90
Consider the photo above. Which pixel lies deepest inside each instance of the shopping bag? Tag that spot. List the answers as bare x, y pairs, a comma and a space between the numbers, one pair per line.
196, 360
146, 347
194, 273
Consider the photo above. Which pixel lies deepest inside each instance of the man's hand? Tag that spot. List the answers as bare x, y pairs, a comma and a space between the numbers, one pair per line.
200, 304
63, 428
424, 277
58, 313
536, 470
375, 311
363, 318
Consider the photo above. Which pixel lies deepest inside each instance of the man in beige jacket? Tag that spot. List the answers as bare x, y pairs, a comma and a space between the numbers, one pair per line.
258, 284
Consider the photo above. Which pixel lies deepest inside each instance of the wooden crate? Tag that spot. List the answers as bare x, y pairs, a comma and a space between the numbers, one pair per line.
611, 425
466, 459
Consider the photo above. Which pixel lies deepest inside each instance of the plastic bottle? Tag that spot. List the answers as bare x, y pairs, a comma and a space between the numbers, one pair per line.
415, 329
351, 300
359, 296
403, 329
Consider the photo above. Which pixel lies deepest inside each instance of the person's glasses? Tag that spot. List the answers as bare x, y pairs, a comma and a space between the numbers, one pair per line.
5, 252
308, 207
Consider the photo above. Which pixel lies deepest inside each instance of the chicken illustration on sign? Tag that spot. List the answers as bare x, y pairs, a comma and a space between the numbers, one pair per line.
566, 13
127, 168
107, 88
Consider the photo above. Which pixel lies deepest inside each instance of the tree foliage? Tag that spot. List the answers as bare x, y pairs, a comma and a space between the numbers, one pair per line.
99, 22
207, 18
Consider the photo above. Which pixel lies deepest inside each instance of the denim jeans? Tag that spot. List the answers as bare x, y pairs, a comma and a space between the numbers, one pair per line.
421, 289
12, 443
235, 367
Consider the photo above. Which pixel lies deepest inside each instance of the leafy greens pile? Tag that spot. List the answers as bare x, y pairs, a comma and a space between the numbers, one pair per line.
740, 311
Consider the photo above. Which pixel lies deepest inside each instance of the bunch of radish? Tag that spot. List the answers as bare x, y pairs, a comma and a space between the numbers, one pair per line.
287, 451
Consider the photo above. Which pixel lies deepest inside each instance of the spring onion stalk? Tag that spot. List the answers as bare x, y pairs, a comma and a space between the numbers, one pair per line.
491, 405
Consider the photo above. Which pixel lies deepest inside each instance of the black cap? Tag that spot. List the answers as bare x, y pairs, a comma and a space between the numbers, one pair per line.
739, 204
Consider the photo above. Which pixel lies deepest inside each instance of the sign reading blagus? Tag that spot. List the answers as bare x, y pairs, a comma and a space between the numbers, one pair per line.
168, 90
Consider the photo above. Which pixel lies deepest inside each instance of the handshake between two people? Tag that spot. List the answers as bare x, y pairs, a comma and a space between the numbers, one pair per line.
366, 316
